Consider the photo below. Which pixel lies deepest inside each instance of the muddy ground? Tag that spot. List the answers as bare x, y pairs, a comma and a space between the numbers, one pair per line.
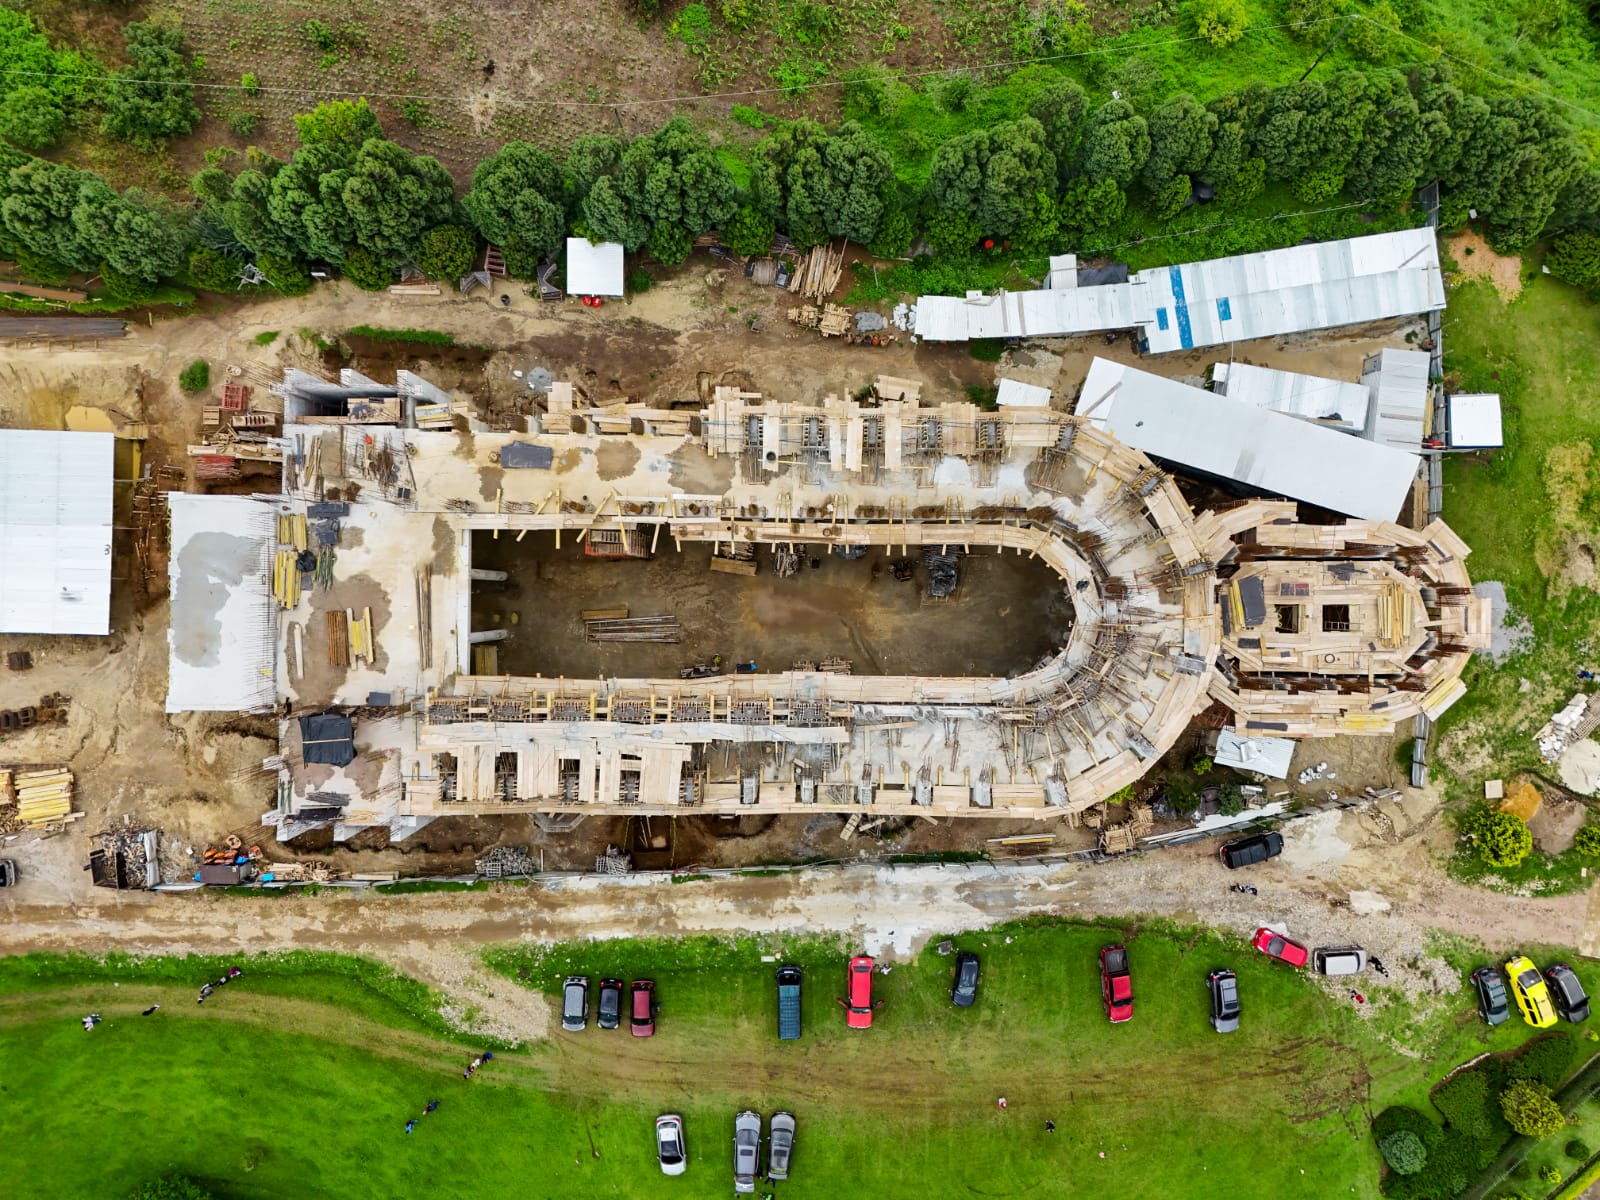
197, 776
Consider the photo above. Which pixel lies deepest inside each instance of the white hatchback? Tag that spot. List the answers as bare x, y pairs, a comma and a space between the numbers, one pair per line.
671, 1152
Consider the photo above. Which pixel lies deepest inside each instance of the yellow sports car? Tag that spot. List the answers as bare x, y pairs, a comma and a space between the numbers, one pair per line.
1533, 997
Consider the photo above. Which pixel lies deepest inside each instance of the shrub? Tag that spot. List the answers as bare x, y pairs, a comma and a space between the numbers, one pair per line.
421, 337
1171, 199
171, 1187
1550, 1174
131, 288
1318, 185
894, 234
1578, 1149
1247, 183
417, 114
1403, 1151
1545, 1061
288, 277
196, 377
320, 36
1464, 1102
1501, 838
1230, 800
1530, 1110
243, 123
31, 117
1587, 841
447, 252
1400, 1118
1202, 765
1373, 37
213, 270
739, 15
1575, 258
669, 243
366, 270
249, 84
640, 281
1220, 22
748, 232
692, 26
266, 337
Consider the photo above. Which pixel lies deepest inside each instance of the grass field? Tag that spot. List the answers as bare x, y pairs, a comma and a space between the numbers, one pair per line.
297, 1080
1517, 511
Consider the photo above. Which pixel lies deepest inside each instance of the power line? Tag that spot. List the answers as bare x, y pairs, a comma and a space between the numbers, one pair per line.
821, 85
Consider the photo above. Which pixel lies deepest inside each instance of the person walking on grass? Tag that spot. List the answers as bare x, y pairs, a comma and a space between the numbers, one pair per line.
149, 1010
1049, 1126
432, 1104
411, 1124
1001, 1103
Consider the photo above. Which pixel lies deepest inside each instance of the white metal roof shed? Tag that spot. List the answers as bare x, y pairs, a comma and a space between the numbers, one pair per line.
1266, 451
1338, 405
1013, 393
1475, 421
222, 634
594, 269
55, 531
1265, 756
1398, 380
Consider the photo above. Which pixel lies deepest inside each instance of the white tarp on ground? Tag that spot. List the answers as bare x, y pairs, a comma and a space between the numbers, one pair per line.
594, 270
1275, 292
1262, 755
1266, 451
1330, 402
55, 531
1475, 421
223, 630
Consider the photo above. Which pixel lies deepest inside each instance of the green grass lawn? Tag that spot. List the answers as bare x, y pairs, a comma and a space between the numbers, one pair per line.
277, 1088
1541, 352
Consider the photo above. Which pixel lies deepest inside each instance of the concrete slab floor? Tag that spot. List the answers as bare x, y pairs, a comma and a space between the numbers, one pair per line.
1009, 612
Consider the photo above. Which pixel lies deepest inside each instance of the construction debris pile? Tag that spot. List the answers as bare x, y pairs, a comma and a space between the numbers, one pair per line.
1573, 723
125, 859
48, 711
506, 862
39, 798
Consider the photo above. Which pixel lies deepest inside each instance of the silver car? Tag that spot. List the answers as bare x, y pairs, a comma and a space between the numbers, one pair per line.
780, 1145
746, 1151
575, 1003
670, 1150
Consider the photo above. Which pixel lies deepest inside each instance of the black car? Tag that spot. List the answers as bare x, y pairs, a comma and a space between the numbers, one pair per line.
1246, 852
965, 990
1224, 988
1572, 1002
1492, 1004
608, 1015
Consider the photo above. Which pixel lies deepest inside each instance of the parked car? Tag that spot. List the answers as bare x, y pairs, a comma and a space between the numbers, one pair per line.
1275, 945
608, 1013
965, 989
1493, 1006
1116, 984
746, 1151
642, 1022
789, 1004
858, 991
780, 1145
1224, 988
1338, 960
1246, 852
1532, 996
575, 1003
1572, 1002
671, 1152
8, 873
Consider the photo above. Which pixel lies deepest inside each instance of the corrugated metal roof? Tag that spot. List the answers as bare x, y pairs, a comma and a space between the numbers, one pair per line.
1013, 393
222, 636
593, 270
55, 531
1266, 451
1223, 300
1265, 755
1398, 382
1329, 402
1475, 421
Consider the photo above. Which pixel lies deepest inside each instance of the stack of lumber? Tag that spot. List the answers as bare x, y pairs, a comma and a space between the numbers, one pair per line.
338, 638
360, 635
285, 578
634, 629
817, 274
831, 320
42, 797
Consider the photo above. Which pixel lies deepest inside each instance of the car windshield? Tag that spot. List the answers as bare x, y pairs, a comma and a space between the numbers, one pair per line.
1275, 946
747, 1138
669, 1146
1528, 979
1228, 994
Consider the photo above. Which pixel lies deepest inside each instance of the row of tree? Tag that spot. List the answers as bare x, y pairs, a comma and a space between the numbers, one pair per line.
350, 198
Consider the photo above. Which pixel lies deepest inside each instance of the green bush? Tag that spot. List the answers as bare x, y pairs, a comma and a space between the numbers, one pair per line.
748, 232
171, 1187
739, 15
213, 270
32, 117
1578, 1149
1403, 1151
669, 243
1587, 841
196, 377
1319, 185
1530, 1109
447, 252
243, 123
288, 277
1502, 840
1465, 1104
423, 337
366, 270
1545, 1061
640, 281
1230, 800
1550, 1174
895, 234
1247, 183
417, 114
1575, 258
1375, 36
266, 337
120, 286
1220, 22
249, 84
1171, 199
692, 26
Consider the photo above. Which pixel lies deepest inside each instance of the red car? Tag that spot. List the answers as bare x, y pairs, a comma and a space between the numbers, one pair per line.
1275, 945
858, 987
642, 1017
1116, 984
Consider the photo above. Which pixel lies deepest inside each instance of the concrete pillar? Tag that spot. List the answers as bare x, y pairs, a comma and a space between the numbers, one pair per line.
484, 575
478, 637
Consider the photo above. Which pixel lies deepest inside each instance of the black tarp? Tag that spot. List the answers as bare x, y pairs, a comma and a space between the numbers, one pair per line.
327, 738
1096, 276
1253, 597
526, 454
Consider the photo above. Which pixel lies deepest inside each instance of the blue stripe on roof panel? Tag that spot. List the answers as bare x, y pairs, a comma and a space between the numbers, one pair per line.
1185, 334
1161, 318
1224, 310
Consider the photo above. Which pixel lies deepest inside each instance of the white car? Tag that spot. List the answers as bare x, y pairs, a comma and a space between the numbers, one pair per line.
575, 1003
746, 1151
780, 1145
670, 1150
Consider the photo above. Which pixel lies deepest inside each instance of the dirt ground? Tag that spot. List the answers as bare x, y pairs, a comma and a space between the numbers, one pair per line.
1008, 613
1475, 260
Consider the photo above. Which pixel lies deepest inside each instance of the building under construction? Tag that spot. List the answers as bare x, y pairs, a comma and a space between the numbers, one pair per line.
355, 592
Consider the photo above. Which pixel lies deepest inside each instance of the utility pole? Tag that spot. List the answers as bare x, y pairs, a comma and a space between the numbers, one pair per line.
1332, 42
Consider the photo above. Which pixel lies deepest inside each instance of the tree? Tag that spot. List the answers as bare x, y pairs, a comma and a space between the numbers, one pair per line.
151, 99
1502, 839
516, 200
1512, 158
213, 271
347, 123
1116, 143
895, 233
816, 185
1530, 1109
1587, 840
669, 243
1374, 36
287, 277
748, 232
1403, 1151
993, 176
366, 270
1219, 22
1171, 198
32, 118
392, 196
133, 236
1059, 106
447, 252
1092, 205
38, 212
1181, 133
1392, 150
672, 176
